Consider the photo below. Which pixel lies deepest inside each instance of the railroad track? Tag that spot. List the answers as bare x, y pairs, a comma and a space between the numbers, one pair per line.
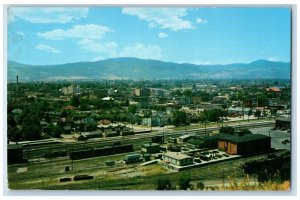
41, 150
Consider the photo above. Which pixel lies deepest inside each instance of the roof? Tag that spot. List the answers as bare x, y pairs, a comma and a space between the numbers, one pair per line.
107, 98
244, 138
133, 156
176, 155
150, 145
285, 119
201, 139
69, 108
274, 89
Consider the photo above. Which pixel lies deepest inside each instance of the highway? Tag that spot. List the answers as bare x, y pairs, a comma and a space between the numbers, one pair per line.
40, 150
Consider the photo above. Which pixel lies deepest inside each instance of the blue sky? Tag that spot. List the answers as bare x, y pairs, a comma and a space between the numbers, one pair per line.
55, 35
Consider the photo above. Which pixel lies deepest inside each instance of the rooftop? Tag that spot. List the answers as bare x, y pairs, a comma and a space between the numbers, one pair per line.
244, 138
176, 155
152, 145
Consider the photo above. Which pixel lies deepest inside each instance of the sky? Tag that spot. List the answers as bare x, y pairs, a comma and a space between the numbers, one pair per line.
198, 35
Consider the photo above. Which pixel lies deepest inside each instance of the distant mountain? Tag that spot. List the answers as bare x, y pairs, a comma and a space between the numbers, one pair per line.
137, 69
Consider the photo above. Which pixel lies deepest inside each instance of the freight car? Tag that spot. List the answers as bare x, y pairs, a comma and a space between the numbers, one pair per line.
80, 154
103, 151
123, 148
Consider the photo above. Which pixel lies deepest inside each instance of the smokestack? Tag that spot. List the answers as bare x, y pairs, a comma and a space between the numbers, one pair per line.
17, 83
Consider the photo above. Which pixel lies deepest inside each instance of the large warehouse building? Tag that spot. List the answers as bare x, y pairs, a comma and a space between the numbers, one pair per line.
251, 144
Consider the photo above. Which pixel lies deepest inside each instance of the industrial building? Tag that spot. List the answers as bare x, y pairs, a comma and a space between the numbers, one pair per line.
250, 144
151, 148
132, 158
177, 158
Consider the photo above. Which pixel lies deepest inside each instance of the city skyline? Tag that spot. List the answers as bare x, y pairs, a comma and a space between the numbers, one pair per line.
56, 35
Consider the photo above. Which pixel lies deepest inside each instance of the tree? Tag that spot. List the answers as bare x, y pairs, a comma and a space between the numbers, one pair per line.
257, 113
127, 103
179, 118
184, 182
200, 185
75, 101
31, 128
132, 109
164, 184
227, 130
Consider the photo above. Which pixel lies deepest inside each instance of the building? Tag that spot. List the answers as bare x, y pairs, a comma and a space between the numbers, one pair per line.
151, 148
70, 90
250, 144
107, 99
177, 158
196, 100
238, 110
186, 137
132, 158
273, 89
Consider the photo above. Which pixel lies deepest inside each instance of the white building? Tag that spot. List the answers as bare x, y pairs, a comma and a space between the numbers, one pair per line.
177, 158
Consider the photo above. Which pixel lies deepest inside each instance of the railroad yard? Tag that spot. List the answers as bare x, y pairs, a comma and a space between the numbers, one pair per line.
64, 171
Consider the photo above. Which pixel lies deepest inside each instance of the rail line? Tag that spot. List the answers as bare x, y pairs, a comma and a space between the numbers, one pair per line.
40, 150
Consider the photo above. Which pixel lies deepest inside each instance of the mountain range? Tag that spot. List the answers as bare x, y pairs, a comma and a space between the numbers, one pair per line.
137, 69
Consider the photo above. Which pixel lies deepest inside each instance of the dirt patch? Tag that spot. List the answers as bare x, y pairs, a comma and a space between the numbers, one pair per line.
22, 170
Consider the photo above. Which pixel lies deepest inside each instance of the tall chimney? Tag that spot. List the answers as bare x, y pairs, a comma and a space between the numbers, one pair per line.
17, 83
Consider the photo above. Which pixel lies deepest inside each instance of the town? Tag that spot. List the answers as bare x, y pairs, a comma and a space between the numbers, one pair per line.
147, 134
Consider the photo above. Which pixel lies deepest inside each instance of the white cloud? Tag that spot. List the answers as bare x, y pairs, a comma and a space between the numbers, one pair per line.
20, 33
201, 21
142, 51
46, 48
107, 48
162, 35
164, 18
199, 62
98, 58
87, 31
273, 59
47, 14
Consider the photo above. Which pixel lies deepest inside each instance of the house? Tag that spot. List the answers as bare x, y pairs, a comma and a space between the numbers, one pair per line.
177, 158
250, 144
151, 148
273, 89
156, 120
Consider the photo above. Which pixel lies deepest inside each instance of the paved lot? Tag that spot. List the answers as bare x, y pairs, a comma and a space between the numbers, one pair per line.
277, 137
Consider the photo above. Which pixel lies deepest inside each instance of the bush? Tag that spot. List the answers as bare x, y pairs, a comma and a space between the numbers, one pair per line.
184, 182
164, 184
200, 185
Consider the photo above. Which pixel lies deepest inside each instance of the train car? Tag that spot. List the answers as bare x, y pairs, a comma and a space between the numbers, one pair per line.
103, 151
157, 139
40, 142
80, 154
123, 148
124, 133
